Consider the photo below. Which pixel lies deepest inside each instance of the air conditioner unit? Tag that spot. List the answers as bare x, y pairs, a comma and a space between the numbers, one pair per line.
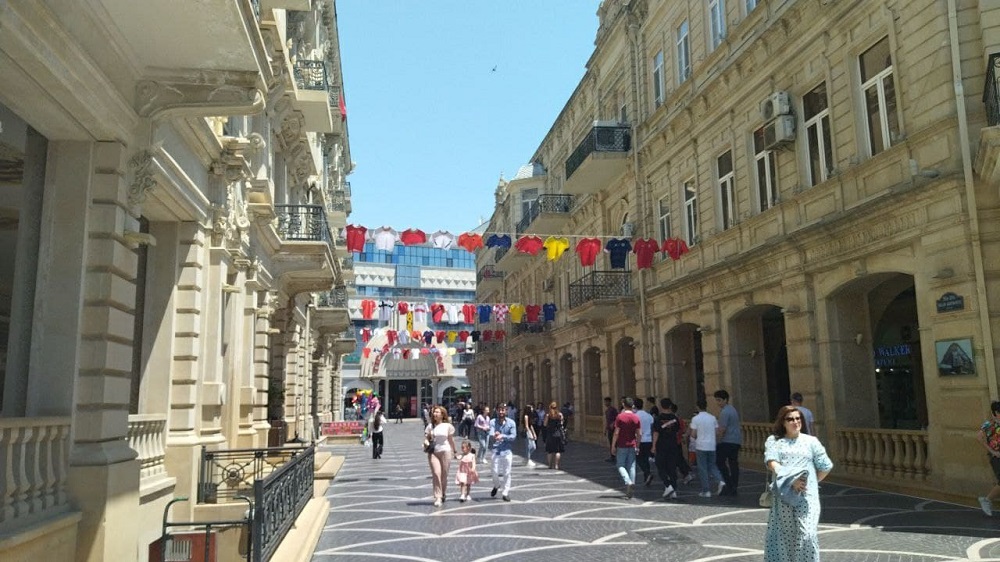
778, 103
779, 131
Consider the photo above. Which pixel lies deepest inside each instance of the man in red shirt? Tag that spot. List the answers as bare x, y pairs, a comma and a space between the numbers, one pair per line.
625, 444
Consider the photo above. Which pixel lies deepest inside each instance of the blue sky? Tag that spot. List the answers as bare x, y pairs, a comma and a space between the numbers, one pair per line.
432, 124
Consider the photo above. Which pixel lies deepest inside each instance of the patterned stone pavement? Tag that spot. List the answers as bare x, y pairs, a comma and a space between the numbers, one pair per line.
382, 510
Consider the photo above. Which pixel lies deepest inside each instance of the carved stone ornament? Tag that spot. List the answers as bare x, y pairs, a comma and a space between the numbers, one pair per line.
199, 94
141, 168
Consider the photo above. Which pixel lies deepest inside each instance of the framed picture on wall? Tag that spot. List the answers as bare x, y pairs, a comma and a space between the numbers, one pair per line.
954, 357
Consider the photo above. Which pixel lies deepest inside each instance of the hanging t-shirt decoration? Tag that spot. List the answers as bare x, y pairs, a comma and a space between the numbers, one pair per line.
549, 311
356, 236
367, 309
645, 249
516, 313
675, 248
530, 245
412, 237
484, 313
587, 249
471, 242
384, 238
555, 246
498, 241
532, 311
443, 240
619, 249
437, 312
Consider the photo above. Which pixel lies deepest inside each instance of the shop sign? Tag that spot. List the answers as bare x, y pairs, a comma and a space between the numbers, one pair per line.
950, 302
342, 428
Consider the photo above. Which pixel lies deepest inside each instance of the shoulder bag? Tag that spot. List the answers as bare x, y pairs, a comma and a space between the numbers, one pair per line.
766, 498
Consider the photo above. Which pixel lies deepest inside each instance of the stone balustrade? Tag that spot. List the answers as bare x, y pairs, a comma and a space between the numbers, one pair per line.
890, 453
754, 437
147, 436
34, 462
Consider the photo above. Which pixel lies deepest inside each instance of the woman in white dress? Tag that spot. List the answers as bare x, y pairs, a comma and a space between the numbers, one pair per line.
440, 434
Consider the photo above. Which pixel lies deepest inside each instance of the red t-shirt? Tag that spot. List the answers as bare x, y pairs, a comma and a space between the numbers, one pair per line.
367, 309
645, 249
437, 312
355, 238
627, 424
487, 335
390, 336
471, 242
463, 335
402, 307
499, 335
439, 336
587, 249
532, 311
675, 248
366, 335
469, 313
529, 245
412, 236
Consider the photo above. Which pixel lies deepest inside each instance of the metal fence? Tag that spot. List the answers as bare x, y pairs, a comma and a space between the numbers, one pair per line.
278, 500
600, 139
335, 298
310, 75
225, 474
599, 285
560, 204
302, 223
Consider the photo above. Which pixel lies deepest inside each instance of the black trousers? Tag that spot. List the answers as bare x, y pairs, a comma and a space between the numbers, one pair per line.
377, 444
642, 459
727, 458
666, 466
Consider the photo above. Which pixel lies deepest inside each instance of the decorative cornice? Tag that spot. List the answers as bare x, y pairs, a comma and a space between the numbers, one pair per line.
141, 168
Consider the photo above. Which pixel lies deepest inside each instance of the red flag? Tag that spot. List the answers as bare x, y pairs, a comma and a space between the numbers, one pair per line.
343, 107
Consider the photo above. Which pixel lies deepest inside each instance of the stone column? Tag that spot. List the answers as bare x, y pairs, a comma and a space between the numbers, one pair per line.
292, 377
81, 359
262, 365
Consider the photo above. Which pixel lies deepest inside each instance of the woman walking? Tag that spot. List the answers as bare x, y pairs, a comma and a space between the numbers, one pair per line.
439, 437
555, 444
376, 426
989, 438
797, 462
530, 437
482, 433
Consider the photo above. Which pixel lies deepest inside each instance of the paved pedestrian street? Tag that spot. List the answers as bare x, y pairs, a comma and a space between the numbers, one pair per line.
382, 510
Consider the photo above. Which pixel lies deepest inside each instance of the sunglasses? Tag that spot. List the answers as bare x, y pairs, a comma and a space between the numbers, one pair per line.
793, 419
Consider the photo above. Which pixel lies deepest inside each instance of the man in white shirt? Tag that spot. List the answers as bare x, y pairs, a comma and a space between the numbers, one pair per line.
645, 441
703, 427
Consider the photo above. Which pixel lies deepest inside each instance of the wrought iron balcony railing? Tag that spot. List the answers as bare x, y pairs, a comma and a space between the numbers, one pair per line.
991, 91
302, 223
601, 138
488, 272
311, 75
347, 188
338, 200
529, 328
335, 298
598, 285
558, 204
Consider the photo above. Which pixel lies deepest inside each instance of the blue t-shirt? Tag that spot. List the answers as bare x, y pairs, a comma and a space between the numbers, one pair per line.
549, 311
484, 313
730, 419
619, 249
498, 241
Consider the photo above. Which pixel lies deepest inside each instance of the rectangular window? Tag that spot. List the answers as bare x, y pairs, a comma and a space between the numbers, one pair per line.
664, 212
658, 89
816, 112
690, 213
683, 53
879, 90
765, 168
717, 20
727, 189
528, 197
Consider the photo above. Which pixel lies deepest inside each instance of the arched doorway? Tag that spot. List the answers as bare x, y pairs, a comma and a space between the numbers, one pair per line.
545, 383
449, 396
625, 367
877, 360
593, 401
685, 367
758, 362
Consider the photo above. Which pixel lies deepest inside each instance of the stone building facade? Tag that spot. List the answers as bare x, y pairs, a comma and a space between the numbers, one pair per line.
169, 181
831, 168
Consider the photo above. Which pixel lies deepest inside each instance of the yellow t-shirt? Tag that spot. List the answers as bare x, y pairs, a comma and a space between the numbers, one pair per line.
516, 313
554, 247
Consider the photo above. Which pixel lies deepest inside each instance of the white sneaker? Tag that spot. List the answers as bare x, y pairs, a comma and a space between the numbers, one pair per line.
705, 495
437, 503
722, 486
531, 464
986, 505
669, 491
687, 479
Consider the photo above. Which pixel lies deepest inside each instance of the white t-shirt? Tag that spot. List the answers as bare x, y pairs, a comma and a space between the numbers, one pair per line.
454, 314
704, 424
443, 239
384, 238
440, 434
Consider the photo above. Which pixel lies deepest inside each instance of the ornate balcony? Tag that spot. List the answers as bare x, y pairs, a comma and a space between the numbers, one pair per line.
304, 256
343, 343
338, 207
546, 215
331, 313
600, 158
600, 294
489, 278
34, 462
312, 95
147, 436
302, 223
